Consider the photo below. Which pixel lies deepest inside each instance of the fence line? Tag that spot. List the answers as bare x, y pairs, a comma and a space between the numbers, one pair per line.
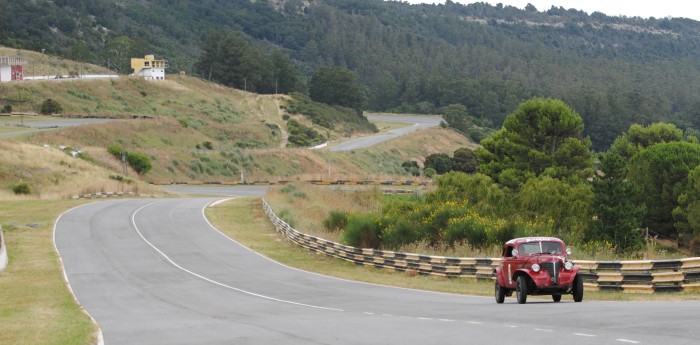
645, 276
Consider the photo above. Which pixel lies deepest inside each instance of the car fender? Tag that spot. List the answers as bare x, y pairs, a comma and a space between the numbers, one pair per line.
499, 277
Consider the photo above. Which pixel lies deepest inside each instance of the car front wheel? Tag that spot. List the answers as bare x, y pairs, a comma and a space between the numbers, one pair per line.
500, 293
521, 289
578, 288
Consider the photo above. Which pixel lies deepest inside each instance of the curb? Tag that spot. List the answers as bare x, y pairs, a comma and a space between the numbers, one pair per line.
3, 252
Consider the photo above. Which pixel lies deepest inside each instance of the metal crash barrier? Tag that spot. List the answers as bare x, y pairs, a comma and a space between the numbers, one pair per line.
644, 276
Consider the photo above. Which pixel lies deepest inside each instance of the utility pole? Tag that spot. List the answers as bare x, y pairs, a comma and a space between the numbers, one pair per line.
124, 162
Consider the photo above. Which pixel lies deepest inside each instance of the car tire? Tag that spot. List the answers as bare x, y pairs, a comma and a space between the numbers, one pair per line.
556, 298
578, 288
521, 289
500, 293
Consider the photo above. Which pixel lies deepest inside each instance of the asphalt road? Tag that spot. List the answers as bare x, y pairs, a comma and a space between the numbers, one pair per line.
33, 125
156, 272
418, 123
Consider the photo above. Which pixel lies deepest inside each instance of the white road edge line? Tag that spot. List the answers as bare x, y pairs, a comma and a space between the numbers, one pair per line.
584, 335
133, 222
100, 337
628, 341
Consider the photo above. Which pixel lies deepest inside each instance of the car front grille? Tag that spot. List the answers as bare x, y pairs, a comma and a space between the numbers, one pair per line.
553, 269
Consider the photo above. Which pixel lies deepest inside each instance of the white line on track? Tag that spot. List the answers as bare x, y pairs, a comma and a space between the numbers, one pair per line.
543, 330
628, 341
136, 228
584, 335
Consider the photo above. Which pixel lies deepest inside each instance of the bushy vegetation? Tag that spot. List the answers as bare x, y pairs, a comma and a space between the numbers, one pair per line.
302, 136
140, 162
336, 117
22, 188
336, 220
51, 106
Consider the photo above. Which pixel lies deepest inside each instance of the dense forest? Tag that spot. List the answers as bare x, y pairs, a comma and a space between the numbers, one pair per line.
613, 71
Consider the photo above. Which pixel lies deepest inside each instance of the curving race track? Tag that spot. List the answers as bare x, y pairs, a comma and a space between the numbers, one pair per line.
419, 122
156, 272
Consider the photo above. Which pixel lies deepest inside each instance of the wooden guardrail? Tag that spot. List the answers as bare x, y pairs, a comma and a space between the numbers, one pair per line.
647, 276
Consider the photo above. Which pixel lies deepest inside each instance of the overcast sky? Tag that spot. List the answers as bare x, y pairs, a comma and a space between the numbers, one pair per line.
629, 8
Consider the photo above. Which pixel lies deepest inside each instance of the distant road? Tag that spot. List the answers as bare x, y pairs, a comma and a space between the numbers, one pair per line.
39, 125
418, 123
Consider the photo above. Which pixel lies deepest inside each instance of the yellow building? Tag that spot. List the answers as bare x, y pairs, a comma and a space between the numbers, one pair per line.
149, 68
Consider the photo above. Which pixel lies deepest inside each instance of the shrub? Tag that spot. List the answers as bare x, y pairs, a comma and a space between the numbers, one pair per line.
208, 145
467, 229
336, 220
399, 234
116, 151
50, 106
22, 188
140, 162
288, 189
363, 231
121, 178
7, 108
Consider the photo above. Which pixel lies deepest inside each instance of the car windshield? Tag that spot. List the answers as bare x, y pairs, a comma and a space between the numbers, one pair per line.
540, 247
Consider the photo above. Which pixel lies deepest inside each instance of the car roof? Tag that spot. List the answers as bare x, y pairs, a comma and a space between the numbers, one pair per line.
533, 239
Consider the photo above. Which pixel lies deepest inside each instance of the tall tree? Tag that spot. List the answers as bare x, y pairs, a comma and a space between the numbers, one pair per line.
441, 162
566, 205
661, 171
639, 137
337, 86
457, 116
687, 215
543, 137
617, 216
464, 160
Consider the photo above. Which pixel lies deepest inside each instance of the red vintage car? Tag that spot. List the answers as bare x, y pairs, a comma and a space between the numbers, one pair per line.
537, 266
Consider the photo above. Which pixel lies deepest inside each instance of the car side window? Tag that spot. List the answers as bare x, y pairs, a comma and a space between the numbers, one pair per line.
508, 252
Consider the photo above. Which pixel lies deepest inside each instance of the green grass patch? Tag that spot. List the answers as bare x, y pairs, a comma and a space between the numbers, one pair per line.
37, 307
244, 220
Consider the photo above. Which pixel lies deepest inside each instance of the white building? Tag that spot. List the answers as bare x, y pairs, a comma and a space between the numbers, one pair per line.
12, 68
149, 68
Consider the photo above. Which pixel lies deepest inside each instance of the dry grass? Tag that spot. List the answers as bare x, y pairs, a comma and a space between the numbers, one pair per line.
53, 174
36, 307
306, 206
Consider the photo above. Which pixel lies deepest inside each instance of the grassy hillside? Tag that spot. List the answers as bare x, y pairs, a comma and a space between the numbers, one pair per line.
53, 174
193, 130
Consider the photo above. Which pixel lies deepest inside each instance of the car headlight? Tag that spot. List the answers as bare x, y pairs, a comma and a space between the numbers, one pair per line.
568, 265
535, 267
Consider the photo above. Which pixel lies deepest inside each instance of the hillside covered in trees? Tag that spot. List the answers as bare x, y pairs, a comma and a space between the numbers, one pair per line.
614, 71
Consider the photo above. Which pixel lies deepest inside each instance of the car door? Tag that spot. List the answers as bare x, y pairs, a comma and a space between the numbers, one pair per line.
508, 266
